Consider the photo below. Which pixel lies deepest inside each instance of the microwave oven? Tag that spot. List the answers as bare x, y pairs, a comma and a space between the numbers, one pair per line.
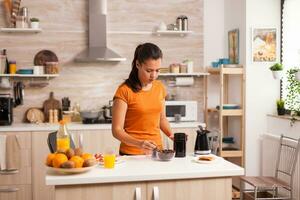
186, 109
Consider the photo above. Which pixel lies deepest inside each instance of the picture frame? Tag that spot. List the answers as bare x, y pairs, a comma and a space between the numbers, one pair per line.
233, 46
264, 45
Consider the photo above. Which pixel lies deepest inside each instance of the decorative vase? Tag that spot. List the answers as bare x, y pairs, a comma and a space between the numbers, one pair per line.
277, 74
34, 25
280, 111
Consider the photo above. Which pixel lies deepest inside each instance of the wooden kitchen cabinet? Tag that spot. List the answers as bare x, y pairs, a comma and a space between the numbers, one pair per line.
17, 186
23, 175
15, 192
40, 150
93, 141
191, 189
102, 191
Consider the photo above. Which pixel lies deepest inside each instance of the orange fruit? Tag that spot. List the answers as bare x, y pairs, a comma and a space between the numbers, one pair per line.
49, 159
86, 156
59, 159
78, 161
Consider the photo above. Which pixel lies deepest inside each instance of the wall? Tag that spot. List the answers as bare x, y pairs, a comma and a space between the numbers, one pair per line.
214, 44
277, 126
130, 22
261, 89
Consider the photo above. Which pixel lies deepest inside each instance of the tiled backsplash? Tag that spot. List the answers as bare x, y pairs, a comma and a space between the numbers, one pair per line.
64, 25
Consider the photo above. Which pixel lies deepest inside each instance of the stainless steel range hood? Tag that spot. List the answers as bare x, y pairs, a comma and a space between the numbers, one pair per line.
97, 47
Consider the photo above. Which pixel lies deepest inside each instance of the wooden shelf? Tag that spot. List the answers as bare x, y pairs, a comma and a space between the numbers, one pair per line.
232, 112
225, 122
179, 33
20, 30
30, 75
231, 153
198, 74
226, 70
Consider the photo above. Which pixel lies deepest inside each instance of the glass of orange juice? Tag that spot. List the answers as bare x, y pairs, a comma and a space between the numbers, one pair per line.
109, 160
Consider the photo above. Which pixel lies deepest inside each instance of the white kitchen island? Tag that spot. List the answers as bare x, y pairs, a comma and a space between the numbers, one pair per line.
141, 177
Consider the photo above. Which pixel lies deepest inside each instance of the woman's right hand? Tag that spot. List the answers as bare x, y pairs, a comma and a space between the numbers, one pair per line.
148, 145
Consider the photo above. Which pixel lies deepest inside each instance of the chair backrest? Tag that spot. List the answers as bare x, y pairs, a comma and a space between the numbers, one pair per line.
287, 159
51, 140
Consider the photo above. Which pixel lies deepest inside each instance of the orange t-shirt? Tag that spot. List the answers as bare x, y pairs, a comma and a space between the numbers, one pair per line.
142, 120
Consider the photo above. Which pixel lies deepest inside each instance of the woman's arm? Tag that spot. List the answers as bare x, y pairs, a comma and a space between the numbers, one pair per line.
164, 123
119, 112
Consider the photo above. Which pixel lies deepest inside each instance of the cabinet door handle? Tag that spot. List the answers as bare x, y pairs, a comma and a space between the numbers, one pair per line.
9, 171
138, 193
15, 189
155, 193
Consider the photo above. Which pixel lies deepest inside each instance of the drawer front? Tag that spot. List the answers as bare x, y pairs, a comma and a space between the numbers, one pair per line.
15, 192
23, 174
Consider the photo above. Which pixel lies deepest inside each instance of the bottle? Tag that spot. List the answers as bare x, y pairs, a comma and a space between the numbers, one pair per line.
62, 137
12, 67
6, 71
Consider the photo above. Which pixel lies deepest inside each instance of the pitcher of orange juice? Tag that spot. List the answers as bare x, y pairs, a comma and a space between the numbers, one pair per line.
62, 137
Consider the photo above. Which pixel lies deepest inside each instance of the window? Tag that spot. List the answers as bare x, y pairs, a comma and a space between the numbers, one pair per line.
291, 52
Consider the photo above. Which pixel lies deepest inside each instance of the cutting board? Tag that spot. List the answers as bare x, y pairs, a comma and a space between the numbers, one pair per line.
53, 104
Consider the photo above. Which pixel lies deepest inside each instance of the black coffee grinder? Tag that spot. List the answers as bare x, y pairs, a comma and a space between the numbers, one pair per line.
6, 109
201, 144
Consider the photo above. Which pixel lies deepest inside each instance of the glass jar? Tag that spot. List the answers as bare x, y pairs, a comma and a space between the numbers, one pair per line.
21, 22
51, 68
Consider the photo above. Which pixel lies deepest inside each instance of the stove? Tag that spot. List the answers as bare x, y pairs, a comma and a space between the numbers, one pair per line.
96, 121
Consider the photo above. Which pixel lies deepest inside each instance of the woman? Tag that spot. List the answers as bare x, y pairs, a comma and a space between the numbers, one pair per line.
139, 105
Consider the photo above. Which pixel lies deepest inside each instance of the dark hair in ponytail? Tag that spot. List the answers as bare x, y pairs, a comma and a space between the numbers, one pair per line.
142, 53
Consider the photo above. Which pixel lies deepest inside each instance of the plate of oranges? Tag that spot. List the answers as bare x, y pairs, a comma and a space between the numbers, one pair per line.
70, 161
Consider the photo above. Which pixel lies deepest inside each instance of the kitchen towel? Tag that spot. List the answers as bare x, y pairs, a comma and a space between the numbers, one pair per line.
184, 81
13, 152
2, 152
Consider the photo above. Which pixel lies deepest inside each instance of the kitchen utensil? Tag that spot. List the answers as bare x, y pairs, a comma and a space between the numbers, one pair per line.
53, 104
18, 93
107, 110
44, 56
90, 114
7, 7
180, 144
201, 144
35, 115
15, 11
66, 103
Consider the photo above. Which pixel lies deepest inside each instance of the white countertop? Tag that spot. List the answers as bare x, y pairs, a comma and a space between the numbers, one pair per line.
144, 168
80, 126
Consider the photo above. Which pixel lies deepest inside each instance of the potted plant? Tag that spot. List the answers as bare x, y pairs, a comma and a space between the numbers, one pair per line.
280, 107
297, 74
34, 23
277, 70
